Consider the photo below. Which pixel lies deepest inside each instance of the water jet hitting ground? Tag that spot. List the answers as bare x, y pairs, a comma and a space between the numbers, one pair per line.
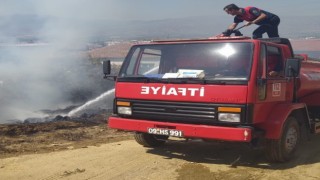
105, 97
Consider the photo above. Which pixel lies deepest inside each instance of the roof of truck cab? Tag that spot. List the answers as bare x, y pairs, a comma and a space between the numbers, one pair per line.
276, 40
211, 39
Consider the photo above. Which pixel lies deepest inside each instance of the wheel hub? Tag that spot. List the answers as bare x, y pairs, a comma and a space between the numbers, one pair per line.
291, 139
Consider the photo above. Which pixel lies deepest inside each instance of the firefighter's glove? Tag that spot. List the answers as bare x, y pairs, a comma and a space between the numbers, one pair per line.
237, 33
227, 32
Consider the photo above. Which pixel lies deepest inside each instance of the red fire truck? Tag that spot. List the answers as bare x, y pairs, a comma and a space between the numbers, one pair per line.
227, 88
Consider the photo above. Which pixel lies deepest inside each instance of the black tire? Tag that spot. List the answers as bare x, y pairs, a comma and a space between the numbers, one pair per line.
283, 149
150, 140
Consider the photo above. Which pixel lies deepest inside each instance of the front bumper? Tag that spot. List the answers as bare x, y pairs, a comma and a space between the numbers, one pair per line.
240, 134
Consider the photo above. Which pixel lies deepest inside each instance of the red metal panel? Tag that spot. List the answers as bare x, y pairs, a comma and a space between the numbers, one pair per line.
183, 92
192, 131
273, 126
309, 84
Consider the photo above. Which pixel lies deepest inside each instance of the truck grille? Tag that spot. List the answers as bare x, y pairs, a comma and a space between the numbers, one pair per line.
199, 113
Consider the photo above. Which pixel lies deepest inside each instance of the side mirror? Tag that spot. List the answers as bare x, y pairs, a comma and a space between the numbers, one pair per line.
106, 67
292, 68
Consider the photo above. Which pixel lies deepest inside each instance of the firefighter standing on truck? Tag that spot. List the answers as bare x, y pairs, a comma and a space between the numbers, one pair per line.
268, 22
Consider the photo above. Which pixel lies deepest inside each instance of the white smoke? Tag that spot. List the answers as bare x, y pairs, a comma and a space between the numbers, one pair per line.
40, 72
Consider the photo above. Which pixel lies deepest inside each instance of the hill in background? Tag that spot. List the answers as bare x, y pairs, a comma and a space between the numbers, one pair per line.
26, 27
118, 50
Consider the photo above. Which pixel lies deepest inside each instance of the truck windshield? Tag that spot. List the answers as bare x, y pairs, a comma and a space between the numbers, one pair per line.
196, 61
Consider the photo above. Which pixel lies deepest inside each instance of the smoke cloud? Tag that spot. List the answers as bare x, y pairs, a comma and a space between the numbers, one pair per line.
43, 64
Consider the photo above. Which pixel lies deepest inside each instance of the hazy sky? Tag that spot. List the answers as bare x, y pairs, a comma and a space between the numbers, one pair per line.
150, 9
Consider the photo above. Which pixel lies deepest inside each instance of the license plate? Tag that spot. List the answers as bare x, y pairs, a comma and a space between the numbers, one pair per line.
165, 132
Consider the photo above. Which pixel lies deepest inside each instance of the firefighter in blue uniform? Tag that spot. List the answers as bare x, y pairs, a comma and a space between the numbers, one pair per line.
268, 22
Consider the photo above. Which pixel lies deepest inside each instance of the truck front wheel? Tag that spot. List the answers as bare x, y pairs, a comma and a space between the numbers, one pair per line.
283, 149
150, 140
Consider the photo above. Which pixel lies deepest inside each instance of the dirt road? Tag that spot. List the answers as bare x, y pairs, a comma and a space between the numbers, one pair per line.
176, 160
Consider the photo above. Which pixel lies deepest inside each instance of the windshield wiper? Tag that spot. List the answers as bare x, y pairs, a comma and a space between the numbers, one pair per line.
195, 81
139, 78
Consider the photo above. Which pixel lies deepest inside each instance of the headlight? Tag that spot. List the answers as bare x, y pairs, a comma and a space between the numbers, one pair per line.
229, 117
124, 110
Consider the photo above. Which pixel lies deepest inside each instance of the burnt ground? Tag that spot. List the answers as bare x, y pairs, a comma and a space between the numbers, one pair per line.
31, 138
176, 160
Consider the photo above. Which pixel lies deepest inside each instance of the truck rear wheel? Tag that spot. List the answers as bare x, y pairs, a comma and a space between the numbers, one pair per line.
283, 149
150, 140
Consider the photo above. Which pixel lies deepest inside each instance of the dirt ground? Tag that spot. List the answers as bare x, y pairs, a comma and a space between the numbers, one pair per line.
35, 138
88, 149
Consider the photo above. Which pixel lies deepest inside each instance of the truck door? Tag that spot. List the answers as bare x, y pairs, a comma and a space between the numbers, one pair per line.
272, 70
